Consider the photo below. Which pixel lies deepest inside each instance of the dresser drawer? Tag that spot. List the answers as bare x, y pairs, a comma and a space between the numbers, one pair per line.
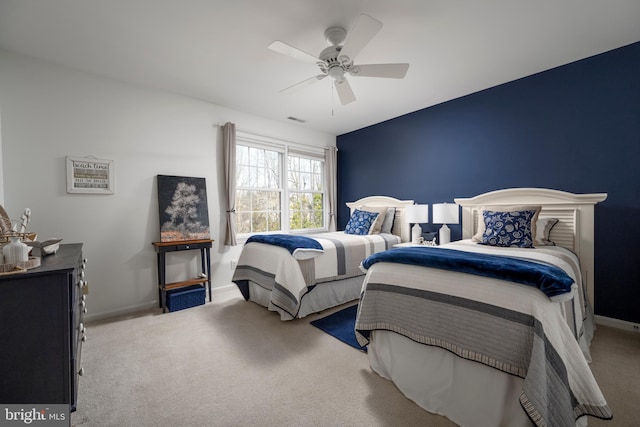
45, 345
79, 305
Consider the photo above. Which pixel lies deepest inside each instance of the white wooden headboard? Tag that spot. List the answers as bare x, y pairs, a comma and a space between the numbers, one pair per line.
389, 202
573, 231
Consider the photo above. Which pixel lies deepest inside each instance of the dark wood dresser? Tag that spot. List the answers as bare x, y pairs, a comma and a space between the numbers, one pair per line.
41, 330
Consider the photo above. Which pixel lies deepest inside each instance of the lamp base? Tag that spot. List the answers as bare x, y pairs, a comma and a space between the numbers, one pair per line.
416, 232
444, 234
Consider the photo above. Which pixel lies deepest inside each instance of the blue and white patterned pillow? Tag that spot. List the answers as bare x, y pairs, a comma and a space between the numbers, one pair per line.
360, 222
508, 228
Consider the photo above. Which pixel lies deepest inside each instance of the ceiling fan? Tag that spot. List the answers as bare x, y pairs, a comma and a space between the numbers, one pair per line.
336, 61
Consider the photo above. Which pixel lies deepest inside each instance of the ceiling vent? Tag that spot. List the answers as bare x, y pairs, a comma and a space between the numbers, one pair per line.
295, 119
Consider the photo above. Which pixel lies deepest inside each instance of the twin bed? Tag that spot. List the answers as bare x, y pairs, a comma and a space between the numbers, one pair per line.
301, 281
472, 346
481, 350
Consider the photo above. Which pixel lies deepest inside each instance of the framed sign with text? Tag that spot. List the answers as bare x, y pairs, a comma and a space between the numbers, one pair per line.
89, 175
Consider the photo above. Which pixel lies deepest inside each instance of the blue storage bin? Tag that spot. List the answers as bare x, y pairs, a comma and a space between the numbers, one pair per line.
189, 296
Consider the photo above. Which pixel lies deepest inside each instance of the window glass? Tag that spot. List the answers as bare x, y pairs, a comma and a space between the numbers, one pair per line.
267, 186
306, 193
258, 192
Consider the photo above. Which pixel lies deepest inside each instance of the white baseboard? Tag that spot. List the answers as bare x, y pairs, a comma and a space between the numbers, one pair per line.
94, 317
617, 323
225, 288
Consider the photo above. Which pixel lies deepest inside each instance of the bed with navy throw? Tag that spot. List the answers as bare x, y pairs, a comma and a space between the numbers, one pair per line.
512, 327
272, 265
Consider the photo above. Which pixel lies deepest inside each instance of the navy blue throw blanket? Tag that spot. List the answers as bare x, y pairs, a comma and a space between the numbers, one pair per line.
288, 241
551, 280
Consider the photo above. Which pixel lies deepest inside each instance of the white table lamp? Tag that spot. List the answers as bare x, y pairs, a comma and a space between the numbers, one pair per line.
445, 213
417, 214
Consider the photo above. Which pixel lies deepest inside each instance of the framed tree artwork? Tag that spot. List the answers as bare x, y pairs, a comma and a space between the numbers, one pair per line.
182, 203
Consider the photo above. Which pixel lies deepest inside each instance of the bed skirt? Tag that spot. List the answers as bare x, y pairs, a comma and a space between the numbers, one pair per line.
466, 392
321, 297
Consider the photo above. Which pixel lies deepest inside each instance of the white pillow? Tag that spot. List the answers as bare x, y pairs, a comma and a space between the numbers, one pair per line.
377, 225
543, 230
387, 225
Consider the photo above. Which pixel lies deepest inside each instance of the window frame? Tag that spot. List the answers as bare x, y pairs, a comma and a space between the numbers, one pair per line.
285, 149
306, 155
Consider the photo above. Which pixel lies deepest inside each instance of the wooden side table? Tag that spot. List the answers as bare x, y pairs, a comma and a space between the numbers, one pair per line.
162, 248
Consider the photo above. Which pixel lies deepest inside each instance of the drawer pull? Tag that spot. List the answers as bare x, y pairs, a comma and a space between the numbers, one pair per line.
81, 372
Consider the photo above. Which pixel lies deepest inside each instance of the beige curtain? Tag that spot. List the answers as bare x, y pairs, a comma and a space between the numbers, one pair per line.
229, 142
332, 187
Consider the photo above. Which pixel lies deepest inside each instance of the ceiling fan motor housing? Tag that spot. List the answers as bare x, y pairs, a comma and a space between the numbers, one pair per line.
331, 64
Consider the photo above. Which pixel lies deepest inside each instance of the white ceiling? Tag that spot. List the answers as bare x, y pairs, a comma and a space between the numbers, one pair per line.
216, 50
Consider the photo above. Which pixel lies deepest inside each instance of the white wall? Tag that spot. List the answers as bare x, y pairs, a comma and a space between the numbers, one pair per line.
49, 112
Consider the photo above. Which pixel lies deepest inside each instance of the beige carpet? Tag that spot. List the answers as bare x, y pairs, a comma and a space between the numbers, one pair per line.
233, 363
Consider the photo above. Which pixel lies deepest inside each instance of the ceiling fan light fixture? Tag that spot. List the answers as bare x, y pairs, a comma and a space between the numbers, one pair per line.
336, 73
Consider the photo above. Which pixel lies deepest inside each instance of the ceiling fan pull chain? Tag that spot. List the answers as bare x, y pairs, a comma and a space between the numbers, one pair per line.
332, 100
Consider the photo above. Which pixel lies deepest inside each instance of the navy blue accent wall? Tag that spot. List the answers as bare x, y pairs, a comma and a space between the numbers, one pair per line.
574, 128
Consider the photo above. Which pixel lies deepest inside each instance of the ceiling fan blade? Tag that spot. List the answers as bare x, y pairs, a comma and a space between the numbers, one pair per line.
392, 71
363, 31
294, 52
304, 83
344, 91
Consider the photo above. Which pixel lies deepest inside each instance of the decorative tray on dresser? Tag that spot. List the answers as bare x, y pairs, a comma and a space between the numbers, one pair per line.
42, 330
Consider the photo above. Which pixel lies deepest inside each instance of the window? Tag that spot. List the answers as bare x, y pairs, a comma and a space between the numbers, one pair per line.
258, 190
278, 188
306, 192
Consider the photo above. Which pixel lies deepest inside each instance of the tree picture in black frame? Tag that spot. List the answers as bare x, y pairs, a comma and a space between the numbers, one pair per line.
182, 203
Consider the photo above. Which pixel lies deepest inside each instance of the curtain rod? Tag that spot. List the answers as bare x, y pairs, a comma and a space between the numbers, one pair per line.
258, 134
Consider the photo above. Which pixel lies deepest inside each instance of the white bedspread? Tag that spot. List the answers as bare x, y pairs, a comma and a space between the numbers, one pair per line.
288, 279
507, 326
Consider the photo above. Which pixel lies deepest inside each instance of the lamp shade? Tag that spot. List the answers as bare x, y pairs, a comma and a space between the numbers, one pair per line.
417, 214
445, 213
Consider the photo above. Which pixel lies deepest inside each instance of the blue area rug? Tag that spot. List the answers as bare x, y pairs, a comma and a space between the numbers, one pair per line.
341, 325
